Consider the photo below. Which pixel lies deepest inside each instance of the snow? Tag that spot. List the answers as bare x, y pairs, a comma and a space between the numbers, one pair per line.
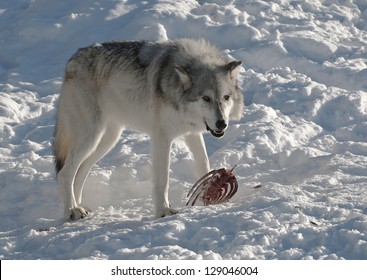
303, 136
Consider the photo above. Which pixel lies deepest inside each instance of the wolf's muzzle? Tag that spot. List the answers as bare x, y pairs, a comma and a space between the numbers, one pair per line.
216, 133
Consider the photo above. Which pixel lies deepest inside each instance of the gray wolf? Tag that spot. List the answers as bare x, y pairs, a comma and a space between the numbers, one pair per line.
178, 88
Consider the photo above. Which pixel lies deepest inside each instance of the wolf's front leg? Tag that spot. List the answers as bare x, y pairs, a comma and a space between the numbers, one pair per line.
161, 147
196, 145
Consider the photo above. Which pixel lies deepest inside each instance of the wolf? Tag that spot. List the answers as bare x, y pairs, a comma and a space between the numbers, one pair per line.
170, 89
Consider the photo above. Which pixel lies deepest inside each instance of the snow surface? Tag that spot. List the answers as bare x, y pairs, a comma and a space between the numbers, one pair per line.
303, 135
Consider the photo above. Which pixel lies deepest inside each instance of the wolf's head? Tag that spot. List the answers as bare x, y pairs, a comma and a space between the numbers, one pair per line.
210, 94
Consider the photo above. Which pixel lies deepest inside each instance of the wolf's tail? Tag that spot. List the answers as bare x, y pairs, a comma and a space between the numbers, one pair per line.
60, 144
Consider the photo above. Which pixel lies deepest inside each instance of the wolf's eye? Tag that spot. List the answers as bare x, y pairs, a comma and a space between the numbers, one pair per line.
206, 98
226, 97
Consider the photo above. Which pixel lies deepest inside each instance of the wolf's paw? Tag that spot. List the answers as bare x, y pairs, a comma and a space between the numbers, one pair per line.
167, 211
77, 213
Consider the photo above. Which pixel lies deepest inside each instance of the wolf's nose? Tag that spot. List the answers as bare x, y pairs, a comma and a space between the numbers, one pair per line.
221, 124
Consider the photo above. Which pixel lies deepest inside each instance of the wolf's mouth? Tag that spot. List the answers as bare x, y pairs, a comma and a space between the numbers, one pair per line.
215, 133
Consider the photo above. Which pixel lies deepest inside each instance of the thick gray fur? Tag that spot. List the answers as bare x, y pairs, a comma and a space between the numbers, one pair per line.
168, 89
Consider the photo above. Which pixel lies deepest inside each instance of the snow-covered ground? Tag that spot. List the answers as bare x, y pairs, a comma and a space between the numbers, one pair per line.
303, 136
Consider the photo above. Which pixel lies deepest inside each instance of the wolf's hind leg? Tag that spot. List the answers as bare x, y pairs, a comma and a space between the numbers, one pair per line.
108, 141
79, 150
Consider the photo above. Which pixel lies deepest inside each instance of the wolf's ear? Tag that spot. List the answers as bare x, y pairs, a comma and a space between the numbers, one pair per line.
184, 77
233, 68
